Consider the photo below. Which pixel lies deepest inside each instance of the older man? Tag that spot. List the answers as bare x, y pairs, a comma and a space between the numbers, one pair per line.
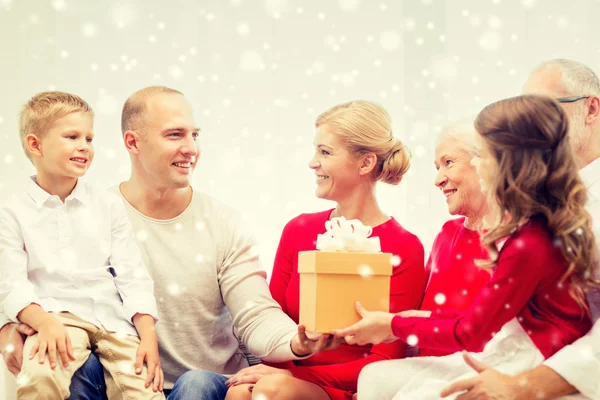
576, 368
205, 266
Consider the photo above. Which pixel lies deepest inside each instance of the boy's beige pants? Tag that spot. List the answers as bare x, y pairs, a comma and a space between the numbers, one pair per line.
116, 352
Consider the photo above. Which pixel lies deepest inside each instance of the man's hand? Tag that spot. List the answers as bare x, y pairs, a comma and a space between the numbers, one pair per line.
12, 339
374, 327
488, 385
253, 374
305, 344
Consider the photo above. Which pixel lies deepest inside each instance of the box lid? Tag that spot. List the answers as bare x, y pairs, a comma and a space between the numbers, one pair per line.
338, 262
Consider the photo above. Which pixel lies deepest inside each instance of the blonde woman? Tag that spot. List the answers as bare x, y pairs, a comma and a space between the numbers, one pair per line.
354, 149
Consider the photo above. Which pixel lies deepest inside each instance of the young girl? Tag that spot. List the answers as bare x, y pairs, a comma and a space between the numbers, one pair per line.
354, 149
542, 253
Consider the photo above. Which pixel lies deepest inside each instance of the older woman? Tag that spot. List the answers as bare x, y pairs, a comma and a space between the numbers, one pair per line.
542, 252
454, 280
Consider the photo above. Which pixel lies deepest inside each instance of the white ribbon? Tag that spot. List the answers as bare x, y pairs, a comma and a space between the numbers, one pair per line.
347, 235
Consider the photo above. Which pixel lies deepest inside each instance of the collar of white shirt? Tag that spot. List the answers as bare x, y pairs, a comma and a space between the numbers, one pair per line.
40, 196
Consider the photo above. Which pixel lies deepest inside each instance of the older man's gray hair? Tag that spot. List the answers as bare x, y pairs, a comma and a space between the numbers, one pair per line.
577, 79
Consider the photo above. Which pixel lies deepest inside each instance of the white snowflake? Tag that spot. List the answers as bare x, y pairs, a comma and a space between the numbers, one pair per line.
59, 5
251, 61
175, 71
276, 7
127, 367
6, 4
528, 3
490, 41
173, 289
440, 298
89, 29
123, 14
412, 340
243, 29
107, 104
22, 379
8, 159
390, 40
365, 271
494, 22
409, 24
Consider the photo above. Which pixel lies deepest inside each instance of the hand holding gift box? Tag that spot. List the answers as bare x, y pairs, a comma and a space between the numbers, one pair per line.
347, 267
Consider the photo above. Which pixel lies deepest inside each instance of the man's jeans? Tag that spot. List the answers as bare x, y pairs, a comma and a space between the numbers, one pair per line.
88, 384
88, 381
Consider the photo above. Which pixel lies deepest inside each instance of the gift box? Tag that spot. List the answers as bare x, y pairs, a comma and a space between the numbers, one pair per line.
347, 267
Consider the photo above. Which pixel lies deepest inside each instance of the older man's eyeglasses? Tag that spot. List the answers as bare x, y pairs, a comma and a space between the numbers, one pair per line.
571, 99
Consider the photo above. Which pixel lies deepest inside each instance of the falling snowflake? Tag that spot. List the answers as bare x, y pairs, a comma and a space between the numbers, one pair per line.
412, 340
173, 289
89, 30
22, 379
395, 260
251, 61
59, 5
8, 159
365, 271
123, 14
175, 71
440, 298
141, 236
349, 5
243, 29
490, 41
390, 40
126, 367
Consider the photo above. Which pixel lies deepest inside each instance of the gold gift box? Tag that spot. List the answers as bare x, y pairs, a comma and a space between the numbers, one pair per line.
332, 282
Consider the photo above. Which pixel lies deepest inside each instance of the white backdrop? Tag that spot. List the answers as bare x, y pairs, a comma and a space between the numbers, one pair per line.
259, 72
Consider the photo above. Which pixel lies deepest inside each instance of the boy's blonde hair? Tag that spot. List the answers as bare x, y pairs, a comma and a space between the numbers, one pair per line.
43, 109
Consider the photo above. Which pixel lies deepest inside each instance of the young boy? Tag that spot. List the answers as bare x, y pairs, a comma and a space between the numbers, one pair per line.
69, 266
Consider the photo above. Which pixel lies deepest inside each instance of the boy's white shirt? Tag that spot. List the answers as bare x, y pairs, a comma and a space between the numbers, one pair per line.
579, 363
78, 256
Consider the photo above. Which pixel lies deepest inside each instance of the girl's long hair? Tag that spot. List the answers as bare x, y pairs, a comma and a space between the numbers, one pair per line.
537, 175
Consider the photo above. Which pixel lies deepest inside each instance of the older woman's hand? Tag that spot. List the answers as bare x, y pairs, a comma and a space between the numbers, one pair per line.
374, 327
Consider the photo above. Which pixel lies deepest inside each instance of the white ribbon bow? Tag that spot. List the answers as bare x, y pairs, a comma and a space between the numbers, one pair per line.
347, 235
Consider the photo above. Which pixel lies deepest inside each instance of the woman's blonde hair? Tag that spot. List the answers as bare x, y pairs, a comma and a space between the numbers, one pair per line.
365, 127
537, 175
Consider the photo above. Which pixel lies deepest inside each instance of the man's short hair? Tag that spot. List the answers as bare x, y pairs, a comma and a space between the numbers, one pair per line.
132, 117
43, 109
